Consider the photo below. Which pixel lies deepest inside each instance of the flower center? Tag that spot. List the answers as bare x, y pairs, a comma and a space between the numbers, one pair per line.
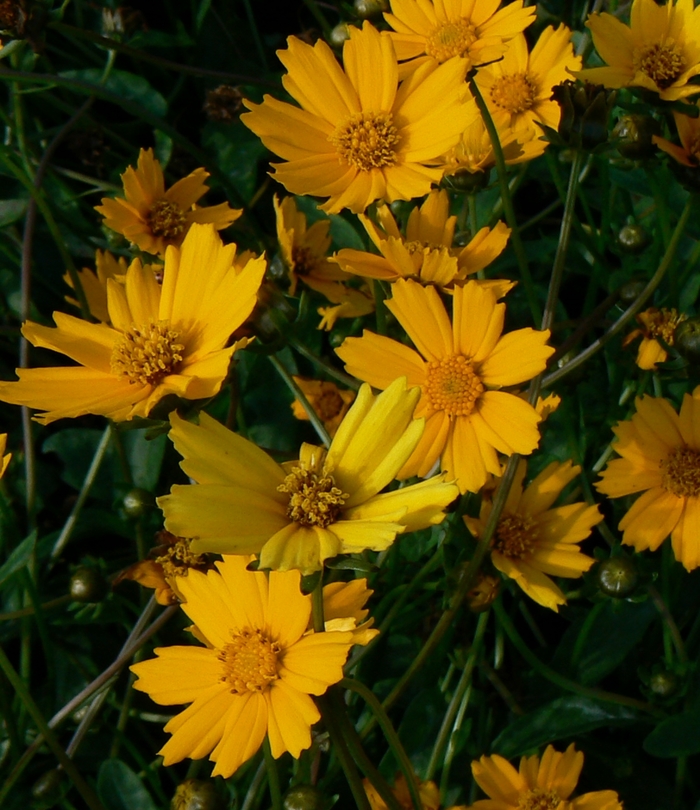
367, 141
450, 39
304, 260
663, 64
145, 354
329, 404
314, 500
661, 323
514, 93
453, 386
249, 661
537, 799
516, 536
682, 472
166, 218
177, 559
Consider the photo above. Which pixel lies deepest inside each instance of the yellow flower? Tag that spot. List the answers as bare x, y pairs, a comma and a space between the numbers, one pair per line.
689, 133
518, 89
534, 541
344, 602
95, 284
304, 250
299, 514
428, 791
359, 136
537, 785
167, 339
459, 370
350, 303
660, 453
330, 402
256, 673
153, 218
655, 323
4, 457
429, 30
426, 252
659, 50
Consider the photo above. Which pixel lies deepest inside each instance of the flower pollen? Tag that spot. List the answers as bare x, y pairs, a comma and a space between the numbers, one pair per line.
537, 799
178, 558
453, 386
146, 354
166, 219
329, 404
249, 661
682, 472
516, 536
453, 38
663, 64
661, 323
314, 500
514, 93
367, 141
304, 260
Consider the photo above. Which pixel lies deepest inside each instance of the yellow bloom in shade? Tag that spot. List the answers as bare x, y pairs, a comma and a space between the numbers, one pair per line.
4, 457
654, 323
659, 50
458, 368
349, 303
428, 791
518, 88
476, 30
168, 339
255, 675
688, 153
94, 284
537, 785
533, 540
660, 452
359, 135
304, 250
426, 252
152, 217
300, 513
330, 402
344, 607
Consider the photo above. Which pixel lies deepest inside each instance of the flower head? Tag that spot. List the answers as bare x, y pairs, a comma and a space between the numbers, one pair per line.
658, 51
359, 135
660, 457
348, 303
459, 368
344, 608
533, 540
298, 514
152, 217
688, 153
168, 339
330, 402
654, 323
255, 675
537, 785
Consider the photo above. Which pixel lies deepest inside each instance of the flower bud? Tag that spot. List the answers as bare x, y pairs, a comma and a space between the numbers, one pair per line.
365, 9
484, 592
633, 134
617, 577
223, 104
631, 291
466, 181
633, 238
88, 585
686, 340
585, 109
339, 35
196, 794
48, 788
303, 797
137, 502
663, 683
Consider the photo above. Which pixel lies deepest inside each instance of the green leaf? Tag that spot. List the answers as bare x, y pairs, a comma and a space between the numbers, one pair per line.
76, 448
18, 558
566, 717
145, 457
11, 211
238, 153
677, 736
126, 85
119, 788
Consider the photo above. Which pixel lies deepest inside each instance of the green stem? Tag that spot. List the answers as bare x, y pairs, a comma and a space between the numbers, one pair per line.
670, 624
379, 307
273, 777
391, 736
346, 379
317, 606
314, 418
318, 16
250, 797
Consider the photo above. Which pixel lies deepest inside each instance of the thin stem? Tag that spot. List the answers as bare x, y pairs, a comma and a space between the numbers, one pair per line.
314, 418
671, 625
346, 379
379, 308
258, 779
318, 16
273, 777
317, 606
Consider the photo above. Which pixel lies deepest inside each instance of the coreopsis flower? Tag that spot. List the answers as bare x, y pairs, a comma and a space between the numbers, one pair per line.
437, 30
535, 540
545, 784
163, 339
654, 323
298, 514
426, 252
343, 601
4, 457
359, 135
518, 88
660, 457
330, 402
348, 303
256, 674
152, 217
688, 153
459, 368
428, 791
658, 51
94, 284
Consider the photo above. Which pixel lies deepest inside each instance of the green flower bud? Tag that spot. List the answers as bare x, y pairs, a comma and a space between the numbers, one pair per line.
365, 9
686, 340
137, 502
634, 135
585, 109
303, 797
663, 684
48, 788
631, 291
339, 35
617, 577
633, 238
196, 794
88, 585
466, 181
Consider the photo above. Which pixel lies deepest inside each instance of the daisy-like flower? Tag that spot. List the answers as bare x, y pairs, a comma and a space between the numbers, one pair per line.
518, 88
152, 217
660, 452
256, 674
437, 30
659, 50
428, 791
537, 785
298, 514
459, 368
533, 540
94, 284
330, 402
359, 135
654, 323
168, 339
348, 303
426, 252
688, 153
4, 457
